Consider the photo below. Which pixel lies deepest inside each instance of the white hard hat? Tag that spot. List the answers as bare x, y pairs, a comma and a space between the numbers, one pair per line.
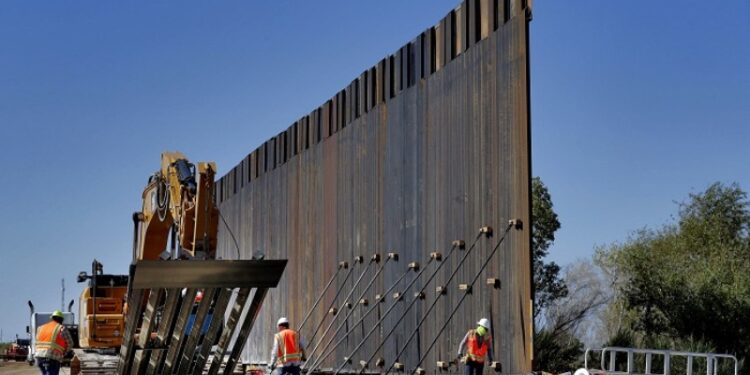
484, 322
282, 320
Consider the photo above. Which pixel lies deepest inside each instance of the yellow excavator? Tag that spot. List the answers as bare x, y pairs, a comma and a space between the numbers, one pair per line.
178, 201
160, 303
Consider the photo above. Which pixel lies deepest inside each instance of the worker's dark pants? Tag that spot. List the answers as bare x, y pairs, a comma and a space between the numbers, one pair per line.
474, 368
48, 366
291, 370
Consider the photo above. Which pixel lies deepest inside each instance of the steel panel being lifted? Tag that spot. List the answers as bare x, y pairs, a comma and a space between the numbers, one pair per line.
171, 289
207, 274
422, 149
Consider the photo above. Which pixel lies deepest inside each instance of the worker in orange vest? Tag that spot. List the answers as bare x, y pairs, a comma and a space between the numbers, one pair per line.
288, 350
53, 341
478, 344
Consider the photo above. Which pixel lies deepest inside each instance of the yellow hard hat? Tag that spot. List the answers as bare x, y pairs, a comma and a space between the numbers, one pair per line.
58, 314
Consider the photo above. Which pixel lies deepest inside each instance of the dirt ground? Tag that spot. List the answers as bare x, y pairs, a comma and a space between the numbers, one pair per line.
22, 368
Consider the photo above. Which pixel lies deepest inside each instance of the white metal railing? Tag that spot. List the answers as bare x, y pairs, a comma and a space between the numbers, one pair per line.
609, 360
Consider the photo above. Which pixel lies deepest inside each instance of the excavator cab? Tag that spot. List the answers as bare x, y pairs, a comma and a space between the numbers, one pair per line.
101, 309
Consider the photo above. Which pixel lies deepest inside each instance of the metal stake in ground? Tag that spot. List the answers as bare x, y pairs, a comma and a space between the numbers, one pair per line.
487, 231
511, 224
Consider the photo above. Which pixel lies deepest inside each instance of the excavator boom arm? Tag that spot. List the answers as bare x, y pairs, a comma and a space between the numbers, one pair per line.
178, 200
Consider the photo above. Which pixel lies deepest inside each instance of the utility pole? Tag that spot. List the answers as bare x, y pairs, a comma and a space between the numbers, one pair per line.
62, 300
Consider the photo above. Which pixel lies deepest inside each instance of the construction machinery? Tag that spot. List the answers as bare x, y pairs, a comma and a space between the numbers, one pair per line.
37, 319
101, 309
17, 351
178, 201
167, 315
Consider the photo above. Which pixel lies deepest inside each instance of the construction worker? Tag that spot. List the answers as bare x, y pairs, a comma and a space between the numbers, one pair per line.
288, 350
53, 341
478, 344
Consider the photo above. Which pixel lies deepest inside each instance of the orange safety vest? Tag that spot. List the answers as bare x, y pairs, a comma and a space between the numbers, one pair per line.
474, 351
50, 338
288, 347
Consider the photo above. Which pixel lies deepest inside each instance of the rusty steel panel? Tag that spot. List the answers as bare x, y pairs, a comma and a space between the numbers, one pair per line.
307, 132
439, 42
326, 120
361, 99
245, 170
314, 131
449, 34
418, 53
262, 159
460, 28
380, 82
425, 147
388, 79
473, 32
428, 59
372, 78
348, 106
256, 164
403, 55
398, 71
486, 17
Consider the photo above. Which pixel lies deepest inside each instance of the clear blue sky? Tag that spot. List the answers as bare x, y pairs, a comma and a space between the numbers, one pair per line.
635, 104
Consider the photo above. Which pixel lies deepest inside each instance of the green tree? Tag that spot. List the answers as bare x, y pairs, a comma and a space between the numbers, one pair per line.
688, 282
556, 352
556, 349
548, 286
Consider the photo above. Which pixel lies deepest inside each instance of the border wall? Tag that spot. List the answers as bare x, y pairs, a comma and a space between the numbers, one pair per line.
421, 149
